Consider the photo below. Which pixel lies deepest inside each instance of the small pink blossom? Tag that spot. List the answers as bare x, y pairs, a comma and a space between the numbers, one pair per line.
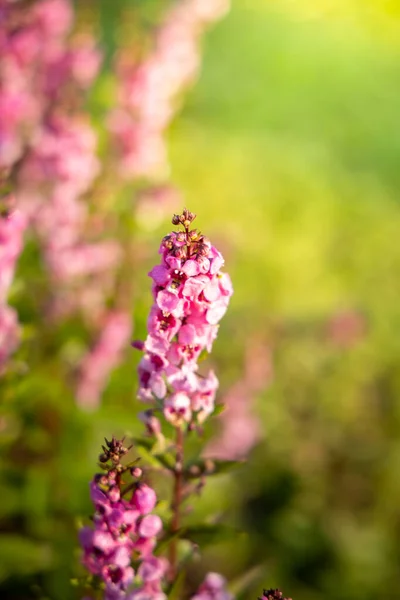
144, 499
150, 526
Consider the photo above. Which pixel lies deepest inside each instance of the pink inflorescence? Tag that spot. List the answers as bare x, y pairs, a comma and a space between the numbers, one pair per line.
191, 295
213, 588
104, 357
149, 91
240, 429
124, 529
48, 152
12, 227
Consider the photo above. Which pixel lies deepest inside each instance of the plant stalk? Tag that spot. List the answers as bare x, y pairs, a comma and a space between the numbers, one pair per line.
176, 503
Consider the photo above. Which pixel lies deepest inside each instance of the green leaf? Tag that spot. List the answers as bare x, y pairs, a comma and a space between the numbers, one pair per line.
209, 466
143, 442
153, 451
176, 590
22, 556
219, 408
206, 534
203, 355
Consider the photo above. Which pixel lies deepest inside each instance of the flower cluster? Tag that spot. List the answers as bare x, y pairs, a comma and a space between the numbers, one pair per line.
148, 91
213, 588
48, 154
191, 295
123, 529
12, 227
48, 147
37, 68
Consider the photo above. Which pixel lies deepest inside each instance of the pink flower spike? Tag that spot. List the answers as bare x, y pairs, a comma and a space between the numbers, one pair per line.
191, 296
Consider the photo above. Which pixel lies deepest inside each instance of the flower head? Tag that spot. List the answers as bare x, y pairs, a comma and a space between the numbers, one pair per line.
123, 528
191, 295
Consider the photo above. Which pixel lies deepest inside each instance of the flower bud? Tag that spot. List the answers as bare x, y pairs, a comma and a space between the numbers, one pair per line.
273, 595
136, 472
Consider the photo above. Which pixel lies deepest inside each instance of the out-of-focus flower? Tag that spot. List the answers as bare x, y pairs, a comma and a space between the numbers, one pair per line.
240, 429
122, 529
346, 328
149, 91
12, 227
105, 356
213, 588
49, 150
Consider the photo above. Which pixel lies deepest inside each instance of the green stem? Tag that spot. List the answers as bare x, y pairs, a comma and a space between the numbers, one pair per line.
176, 503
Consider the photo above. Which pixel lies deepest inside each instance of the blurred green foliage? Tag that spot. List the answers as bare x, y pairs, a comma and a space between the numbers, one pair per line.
288, 150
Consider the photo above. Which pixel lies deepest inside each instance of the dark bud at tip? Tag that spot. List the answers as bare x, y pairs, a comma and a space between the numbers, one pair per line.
188, 216
103, 458
273, 595
184, 219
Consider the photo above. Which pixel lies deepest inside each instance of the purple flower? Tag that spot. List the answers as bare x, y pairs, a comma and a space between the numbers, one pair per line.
120, 531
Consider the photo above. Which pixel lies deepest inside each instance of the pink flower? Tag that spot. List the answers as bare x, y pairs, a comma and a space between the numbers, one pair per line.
148, 92
105, 356
150, 526
120, 531
213, 588
144, 499
190, 297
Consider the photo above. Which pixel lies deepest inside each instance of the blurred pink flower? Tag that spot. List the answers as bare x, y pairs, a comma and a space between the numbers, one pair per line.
106, 355
346, 328
149, 92
213, 588
240, 429
12, 229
